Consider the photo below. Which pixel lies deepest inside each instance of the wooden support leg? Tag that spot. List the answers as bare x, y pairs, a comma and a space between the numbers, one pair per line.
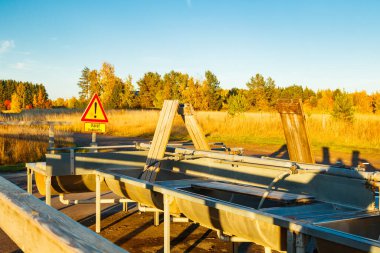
48, 190
29, 180
157, 218
166, 225
98, 207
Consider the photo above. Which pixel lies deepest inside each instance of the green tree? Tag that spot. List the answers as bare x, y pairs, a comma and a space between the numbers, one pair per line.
84, 84
237, 103
149, 86
343, 107
293, 92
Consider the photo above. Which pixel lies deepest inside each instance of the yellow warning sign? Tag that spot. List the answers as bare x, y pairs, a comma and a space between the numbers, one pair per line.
94, 111
95, 127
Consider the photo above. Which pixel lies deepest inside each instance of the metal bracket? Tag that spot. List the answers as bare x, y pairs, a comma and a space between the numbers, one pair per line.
72, 162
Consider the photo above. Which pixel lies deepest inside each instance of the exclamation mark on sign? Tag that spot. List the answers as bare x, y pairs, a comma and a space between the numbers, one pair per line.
96, 105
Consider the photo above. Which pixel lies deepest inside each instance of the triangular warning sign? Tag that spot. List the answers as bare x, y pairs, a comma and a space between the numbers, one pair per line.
94, 111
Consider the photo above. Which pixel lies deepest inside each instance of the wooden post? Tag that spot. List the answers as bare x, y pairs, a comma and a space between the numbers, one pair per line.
160, 140
48, 190
162, 134
294, 124
29, 180
195, 131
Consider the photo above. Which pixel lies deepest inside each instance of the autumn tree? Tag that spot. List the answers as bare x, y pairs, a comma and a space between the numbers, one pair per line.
112, 87
59, 102
210, 90
95, 86
193, 94
362, 102
325, 100
261, 93
375, 102
128, 96
16, 102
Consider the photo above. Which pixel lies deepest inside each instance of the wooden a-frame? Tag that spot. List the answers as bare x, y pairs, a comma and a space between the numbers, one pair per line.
162, 135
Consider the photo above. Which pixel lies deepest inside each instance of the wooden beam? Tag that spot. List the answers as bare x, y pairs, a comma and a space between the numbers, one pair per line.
195, 131
160, 140
36, 227
294, 125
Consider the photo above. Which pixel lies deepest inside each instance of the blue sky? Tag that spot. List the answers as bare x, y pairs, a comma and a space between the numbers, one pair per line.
319, 44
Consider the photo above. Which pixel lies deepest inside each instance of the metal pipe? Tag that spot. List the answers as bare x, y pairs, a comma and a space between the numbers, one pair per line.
91, 201
147, 209
166, 224
303, 167
92, 148
269, 189
179, 219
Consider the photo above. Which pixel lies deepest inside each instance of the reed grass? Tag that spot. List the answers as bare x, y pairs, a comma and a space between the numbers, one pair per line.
249, 128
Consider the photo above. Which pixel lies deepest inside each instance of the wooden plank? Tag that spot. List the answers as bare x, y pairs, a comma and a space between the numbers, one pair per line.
254, 191
159, 128
160, 140
36, 227
195, 131
294, 125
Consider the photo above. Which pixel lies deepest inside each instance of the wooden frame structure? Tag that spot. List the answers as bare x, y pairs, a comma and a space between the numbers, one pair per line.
162, 135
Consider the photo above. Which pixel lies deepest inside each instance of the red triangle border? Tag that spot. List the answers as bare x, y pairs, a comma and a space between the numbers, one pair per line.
95, 97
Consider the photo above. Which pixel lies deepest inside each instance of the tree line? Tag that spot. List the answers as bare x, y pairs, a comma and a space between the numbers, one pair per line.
16, 95
261, 93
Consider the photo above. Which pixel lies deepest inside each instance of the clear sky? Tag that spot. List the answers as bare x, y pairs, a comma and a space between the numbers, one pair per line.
319, 44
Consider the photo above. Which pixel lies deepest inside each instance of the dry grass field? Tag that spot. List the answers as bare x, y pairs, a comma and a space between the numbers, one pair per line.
25, 143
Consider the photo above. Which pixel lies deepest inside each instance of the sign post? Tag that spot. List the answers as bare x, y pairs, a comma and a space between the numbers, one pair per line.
94, 118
